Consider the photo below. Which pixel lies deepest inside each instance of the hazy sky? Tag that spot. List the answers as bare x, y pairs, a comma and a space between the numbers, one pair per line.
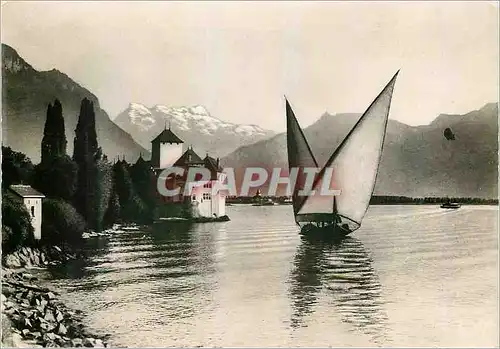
239, 59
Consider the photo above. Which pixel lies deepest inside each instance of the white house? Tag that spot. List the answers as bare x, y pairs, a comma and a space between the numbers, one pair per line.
204, 203
33, 201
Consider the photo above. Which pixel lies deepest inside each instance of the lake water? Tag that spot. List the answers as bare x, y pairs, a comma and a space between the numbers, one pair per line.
411, 276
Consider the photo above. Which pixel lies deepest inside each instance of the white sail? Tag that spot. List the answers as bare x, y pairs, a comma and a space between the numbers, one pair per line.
317, 203
355, 163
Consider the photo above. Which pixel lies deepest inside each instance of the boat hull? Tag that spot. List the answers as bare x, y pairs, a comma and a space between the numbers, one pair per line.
329, 232
450, 206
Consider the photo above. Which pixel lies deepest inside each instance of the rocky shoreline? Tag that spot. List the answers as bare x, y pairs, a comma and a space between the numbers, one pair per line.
32, 316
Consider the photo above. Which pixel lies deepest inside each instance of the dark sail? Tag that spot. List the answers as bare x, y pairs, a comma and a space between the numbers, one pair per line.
299, 155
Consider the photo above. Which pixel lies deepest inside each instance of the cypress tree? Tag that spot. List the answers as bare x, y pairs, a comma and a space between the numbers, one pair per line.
54, 135
60, 133
84, 154
92, 131
48, 135
85, 143
95, 175
56, 166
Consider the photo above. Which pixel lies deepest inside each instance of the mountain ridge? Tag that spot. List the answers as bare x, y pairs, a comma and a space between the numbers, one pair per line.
416, 160
26, 94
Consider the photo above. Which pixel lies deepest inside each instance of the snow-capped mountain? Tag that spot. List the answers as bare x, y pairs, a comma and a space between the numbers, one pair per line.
194, 125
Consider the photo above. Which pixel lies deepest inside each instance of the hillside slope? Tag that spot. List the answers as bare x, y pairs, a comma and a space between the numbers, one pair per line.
416, 161
26, 94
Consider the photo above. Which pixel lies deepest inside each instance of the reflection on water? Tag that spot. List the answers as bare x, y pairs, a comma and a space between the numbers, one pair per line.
81, 267
306, 282
167, 260
411, 276
343, 272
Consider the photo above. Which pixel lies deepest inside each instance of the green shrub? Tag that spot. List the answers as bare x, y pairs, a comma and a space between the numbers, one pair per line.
16, 223
61, 223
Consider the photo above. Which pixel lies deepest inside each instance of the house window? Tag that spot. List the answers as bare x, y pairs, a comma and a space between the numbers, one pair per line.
32, 211
206, 196
207, 185
194, 198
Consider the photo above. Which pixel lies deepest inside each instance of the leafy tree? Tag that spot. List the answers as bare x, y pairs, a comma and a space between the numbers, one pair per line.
112, 214
122, 183
144, 182
135, 211
16, 223
103, 191
56, 177
16, 167
133, 207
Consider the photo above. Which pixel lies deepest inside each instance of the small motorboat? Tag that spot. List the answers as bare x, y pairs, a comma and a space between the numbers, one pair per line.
267, 202
450, 205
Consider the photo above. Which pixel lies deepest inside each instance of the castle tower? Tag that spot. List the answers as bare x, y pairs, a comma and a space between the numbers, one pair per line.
166, 148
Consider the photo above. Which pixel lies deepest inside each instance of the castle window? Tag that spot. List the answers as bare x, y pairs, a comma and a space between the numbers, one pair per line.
207, 196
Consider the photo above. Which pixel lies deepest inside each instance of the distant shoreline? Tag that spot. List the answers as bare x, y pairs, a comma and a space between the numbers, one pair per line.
395, 200
428, 204
381, 200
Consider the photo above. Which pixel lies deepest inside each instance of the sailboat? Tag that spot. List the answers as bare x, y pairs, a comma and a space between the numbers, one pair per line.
353, 167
